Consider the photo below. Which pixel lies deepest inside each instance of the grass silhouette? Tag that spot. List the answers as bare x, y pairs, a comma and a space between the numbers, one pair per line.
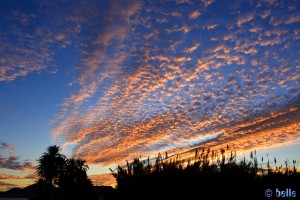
215, 174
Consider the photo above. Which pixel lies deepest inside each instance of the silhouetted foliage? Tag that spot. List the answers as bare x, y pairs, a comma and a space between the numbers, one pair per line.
62, 178
49, 169
73, 182
205, 176
50, 165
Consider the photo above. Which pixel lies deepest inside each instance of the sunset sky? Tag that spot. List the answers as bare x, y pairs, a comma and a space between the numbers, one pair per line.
113, 80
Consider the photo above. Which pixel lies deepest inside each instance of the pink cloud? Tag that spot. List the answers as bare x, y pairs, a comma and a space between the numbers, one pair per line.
9, 176
245, 19
5, 146
12, 162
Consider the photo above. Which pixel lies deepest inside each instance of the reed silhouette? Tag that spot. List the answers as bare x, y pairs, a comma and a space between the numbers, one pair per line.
215, 174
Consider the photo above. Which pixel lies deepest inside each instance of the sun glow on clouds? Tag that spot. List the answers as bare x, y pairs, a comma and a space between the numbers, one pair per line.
161, 84
165, 76
150, 85
9, 164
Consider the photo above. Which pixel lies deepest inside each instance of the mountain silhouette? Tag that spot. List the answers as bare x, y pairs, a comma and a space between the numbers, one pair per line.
32, 191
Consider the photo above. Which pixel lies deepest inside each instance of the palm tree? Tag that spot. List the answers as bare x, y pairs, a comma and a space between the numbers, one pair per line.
50, 165
75, 169
81, 165
74, 182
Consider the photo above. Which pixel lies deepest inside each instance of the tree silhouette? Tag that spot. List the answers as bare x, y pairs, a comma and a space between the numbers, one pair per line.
67, 177
74, 182
50, 165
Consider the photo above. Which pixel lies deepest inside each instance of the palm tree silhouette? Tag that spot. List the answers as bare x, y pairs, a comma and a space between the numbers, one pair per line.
50, 165
74, 171
63, 178
74, 182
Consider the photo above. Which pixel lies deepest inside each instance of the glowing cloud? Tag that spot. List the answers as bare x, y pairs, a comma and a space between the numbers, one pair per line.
155, 83
194, 14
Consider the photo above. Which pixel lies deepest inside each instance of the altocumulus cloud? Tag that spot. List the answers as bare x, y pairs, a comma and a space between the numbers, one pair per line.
159, 76
162, 74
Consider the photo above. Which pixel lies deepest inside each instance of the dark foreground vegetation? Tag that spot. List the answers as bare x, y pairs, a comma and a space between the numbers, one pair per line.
209, 175
65, 178
62, 178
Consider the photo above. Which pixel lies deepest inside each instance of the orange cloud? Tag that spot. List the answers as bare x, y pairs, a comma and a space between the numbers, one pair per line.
9, 176
207, 2
182, 59
103, 179
194, 15
193, 48
8, 181
245, 19
159, 91
265, 14
176, 14
4, 186
212, 26
293, 19
280, 129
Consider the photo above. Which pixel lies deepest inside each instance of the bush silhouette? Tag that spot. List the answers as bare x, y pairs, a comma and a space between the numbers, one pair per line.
209, 175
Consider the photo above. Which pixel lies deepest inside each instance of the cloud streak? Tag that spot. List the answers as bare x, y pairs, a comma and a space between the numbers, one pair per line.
9, 176
12, 162
6, 186
6, 146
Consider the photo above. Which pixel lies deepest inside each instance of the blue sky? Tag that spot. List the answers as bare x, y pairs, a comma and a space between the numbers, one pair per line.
112, 80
